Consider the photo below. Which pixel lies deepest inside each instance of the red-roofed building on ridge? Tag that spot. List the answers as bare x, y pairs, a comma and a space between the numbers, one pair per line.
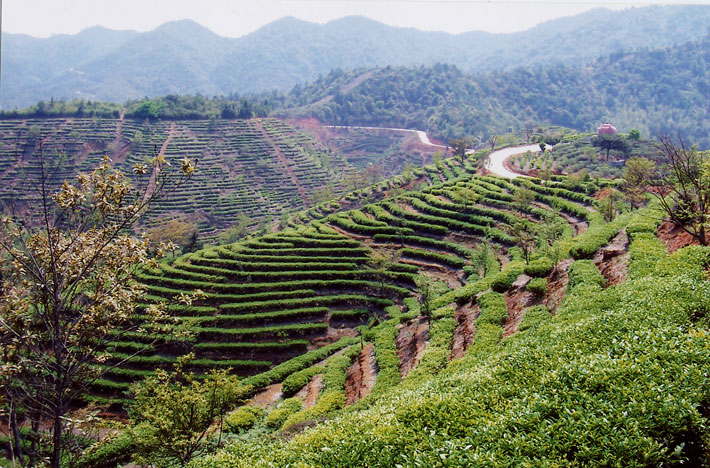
606, 129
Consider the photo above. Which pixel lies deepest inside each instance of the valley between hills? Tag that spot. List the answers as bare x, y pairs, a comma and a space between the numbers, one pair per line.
393, 265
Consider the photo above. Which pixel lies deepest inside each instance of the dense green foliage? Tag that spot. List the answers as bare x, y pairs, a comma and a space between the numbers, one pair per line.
170, 107
655, 91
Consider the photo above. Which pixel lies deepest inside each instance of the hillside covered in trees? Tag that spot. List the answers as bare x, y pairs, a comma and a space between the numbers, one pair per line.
660, 92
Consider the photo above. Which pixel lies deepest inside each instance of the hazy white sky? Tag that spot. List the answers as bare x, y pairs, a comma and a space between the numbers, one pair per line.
234, 18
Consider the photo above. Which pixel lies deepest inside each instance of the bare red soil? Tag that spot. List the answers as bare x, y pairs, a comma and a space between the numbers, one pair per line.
411, 342
267, 398
613, 260
557, 285
517, 299
309, 394
675, 237
465, 329
361, 376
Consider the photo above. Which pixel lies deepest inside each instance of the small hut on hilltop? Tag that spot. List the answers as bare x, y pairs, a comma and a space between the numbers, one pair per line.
606, 129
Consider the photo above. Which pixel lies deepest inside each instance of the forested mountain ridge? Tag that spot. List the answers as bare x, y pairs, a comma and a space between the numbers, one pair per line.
183, 57
658, 91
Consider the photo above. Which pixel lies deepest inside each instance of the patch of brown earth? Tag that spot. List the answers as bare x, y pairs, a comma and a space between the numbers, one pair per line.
352, 235
453, 278
331, 336
309, 394
361, 375
465, 329
267, 398
120, 151
517, 299
557, 284
578, 225
675, 237
283, 160
613, 260
411, 342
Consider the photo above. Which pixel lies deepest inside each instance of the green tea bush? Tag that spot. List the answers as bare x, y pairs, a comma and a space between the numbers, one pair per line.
646, 251
587, 244
336, 369
436, 354
539, 267
243, 419
386, 357
694, 260
493, 309
585, 272
537, 286
281, 371
534, 317
296, 381
501, 281
328, 402
276, 418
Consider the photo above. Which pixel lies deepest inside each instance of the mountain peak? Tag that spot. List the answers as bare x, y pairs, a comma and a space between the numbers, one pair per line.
183, 27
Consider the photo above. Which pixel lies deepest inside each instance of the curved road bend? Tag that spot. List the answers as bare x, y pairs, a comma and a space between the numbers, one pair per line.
497, 158
421, 134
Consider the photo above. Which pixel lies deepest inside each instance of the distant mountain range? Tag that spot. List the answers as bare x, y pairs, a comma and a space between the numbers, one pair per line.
185, 58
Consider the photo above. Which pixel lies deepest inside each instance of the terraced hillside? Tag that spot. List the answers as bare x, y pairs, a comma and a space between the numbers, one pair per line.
257, 168
444, 170
611, 372
390, 151
576, 152
278, 296
427, 325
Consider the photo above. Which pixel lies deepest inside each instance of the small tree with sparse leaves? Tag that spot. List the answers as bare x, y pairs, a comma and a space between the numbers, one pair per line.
68, 270
173, 413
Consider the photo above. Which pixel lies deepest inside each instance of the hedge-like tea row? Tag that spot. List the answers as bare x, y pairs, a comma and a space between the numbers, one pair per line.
279, 372
585, 272
367, 229
349, 299
439, 212
256, 267
539, 267
426, 242
436, 355
276, 346
296, 381
243, 257
223, 320
588, 243
493, 309
455, 262
249, 288
405, 220
463, 204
